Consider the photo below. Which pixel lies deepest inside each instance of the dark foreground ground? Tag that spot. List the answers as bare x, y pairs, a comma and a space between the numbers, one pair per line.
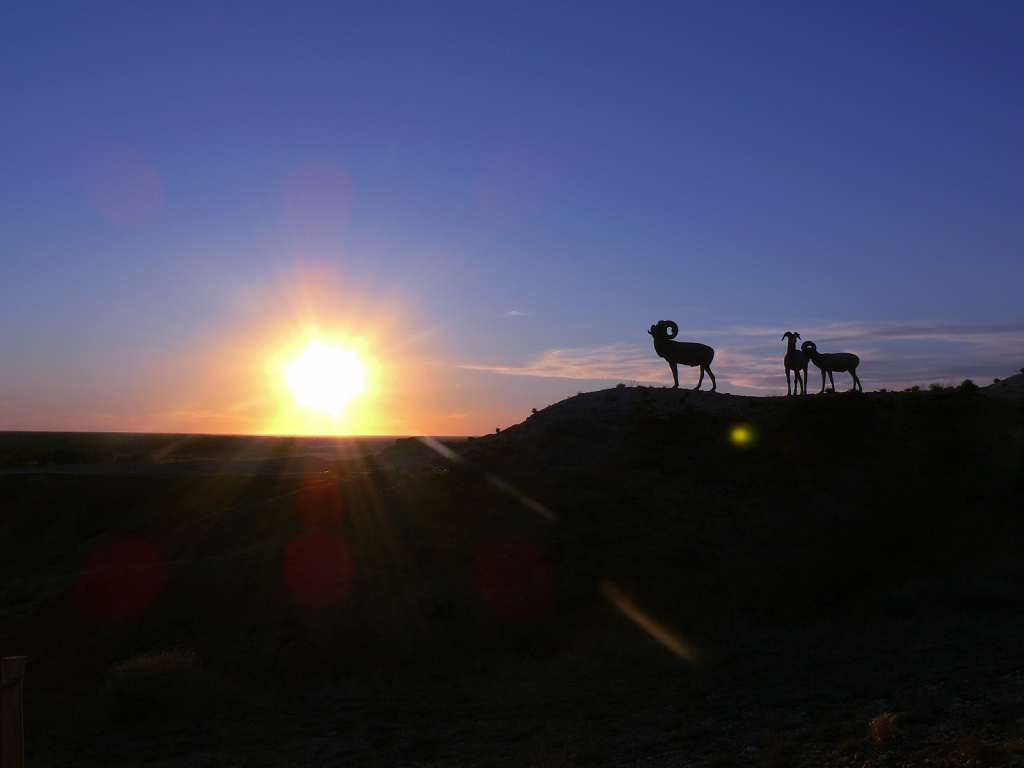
897, 692
625, 579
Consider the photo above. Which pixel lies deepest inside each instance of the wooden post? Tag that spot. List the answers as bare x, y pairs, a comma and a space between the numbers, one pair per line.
12, 715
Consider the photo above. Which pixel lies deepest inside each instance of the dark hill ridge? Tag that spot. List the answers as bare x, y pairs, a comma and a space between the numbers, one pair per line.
832, 558
594, 421
787, 503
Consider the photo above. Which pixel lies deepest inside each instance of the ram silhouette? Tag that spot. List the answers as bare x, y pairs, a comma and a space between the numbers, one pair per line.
797, 362
833, 362
678, 353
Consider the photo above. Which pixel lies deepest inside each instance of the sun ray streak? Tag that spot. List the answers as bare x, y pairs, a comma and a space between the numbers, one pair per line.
624, 603
497, 482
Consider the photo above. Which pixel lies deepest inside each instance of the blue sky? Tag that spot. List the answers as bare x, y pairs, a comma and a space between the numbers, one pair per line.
492, 203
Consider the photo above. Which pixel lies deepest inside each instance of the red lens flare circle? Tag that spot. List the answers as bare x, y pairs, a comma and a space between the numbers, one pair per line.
318, 567
515, 579
120, 579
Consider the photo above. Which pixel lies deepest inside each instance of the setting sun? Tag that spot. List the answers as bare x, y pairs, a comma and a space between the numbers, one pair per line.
325, 377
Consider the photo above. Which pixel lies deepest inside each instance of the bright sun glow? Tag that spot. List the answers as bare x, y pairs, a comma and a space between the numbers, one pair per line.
325, 377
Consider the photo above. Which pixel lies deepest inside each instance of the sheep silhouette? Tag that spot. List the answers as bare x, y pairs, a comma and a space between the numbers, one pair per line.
795, 361
833, 362
682, 352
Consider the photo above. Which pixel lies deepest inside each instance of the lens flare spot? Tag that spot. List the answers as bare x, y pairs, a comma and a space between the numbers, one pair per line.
513, 185
120, 579
515, 579
122, 184
743, 436
318, 567
318, 197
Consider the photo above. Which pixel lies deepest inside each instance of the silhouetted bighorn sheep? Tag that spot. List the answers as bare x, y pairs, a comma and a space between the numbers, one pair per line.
682, 352
795, 361
836, 361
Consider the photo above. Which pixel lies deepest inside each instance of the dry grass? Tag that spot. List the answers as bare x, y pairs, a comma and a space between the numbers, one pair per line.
970, 746
776, 753
155, 665
882, 730
542, 756
159, 686
1014, 746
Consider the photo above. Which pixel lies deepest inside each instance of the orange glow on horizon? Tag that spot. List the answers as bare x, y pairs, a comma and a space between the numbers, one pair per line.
235, 380
332, 356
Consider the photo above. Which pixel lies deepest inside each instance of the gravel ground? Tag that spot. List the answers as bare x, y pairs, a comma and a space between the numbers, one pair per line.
933, 691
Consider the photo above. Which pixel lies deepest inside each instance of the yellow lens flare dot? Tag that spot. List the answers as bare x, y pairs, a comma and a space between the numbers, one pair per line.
743, 436
325, 377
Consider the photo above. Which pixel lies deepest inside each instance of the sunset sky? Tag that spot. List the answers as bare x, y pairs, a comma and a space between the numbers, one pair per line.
489, 204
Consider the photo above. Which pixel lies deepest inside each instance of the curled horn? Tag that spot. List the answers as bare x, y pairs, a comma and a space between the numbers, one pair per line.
671, 329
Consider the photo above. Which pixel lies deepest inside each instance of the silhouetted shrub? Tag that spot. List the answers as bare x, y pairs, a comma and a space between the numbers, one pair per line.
157, 686
968, 386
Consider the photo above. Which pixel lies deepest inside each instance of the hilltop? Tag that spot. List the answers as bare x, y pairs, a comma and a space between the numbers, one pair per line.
805, 502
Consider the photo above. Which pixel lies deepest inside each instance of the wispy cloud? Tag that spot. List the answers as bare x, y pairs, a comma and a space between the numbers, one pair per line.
997, 334
748, 359
614, 361
892, 355
854, 331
